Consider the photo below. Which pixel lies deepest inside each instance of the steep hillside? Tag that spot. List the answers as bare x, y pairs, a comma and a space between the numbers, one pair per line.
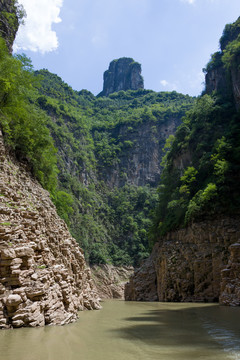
98, 156
109, 155
222, 72
199, 192
43, 275
203, 162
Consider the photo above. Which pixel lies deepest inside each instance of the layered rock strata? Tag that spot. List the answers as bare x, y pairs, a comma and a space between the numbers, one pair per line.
200, 263
43, 275
110, 280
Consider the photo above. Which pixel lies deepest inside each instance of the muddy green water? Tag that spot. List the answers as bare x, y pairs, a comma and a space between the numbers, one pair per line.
133, 331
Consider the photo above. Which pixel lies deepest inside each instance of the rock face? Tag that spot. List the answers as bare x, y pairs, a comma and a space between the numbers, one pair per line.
142, 285
230, 284
110, 280
43, 275
235, 76
139, 163
8, 21
123, 74
216, 80
200, 263
221, 77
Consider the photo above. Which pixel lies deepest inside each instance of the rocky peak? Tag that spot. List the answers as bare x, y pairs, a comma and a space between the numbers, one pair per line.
122, 74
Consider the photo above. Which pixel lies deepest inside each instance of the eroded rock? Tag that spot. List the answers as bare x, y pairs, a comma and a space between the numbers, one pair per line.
123, 74
110, 280
199, 263
43, 275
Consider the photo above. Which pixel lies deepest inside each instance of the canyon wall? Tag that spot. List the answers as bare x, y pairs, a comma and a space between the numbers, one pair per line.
199, 263
43, 275
110, 280
140, 162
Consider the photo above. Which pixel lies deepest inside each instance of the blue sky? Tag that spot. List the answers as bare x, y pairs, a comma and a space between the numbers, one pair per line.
172, 39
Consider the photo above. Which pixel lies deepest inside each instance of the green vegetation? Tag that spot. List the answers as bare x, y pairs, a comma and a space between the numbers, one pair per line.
201, 164
229, 54
22, 123
80, 147
7, 223
72, 141
93, 136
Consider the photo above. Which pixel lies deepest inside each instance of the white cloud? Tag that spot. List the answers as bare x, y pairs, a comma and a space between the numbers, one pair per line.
191, 2
168, 86
164, 83
37, 34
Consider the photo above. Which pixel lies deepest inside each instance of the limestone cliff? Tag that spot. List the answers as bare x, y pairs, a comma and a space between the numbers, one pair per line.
43, 275
199, 263
123, 74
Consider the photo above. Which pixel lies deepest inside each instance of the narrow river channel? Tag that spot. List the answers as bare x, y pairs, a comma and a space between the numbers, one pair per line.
133, 331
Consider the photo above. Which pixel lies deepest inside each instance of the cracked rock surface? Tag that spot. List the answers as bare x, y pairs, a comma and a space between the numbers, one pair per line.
199, 263
44, 279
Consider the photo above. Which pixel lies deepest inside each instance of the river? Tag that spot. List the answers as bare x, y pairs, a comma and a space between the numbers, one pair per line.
133, 331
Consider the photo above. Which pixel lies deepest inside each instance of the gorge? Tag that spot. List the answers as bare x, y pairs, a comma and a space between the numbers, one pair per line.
126, 173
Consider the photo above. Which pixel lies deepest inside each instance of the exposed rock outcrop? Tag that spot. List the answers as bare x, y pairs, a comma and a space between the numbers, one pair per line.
123, 74
140, 162
110, 280
230, 284
143, 284
200, 263
9, 21
223, 76
235, 77
43, 275
216, 80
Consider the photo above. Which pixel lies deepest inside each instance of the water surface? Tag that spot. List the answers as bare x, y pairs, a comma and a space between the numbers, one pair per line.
133, 331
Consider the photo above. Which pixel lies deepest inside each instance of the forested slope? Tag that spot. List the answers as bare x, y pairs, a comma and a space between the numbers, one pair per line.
196, 221
109, 155
202, 165
98, 156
